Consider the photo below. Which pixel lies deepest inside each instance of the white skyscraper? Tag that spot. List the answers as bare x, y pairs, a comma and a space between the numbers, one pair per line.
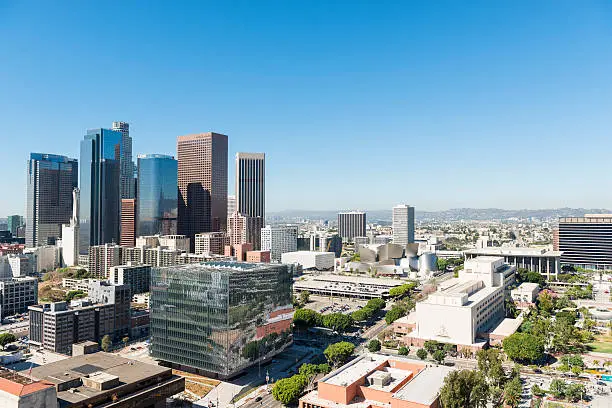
279, 239
403, 224
231, 205
127, 186
70, 233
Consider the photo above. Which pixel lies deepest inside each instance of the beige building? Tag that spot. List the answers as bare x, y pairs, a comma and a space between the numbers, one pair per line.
245, 229
211, 242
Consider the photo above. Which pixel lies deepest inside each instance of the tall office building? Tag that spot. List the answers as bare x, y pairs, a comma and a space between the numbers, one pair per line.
403, 224
279, 239
244, 229
250, 184
157, 195
51, 179
100, 206
127, 166
13, 222
202, 184
220, 317
70, 233
128, 222
231, 205
586, 241
351, 224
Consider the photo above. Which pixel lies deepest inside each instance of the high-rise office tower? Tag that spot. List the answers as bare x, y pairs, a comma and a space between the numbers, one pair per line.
51, 179
279, 239
100, 188
351, 224
403, 224
231, 205
13, 222
127, 166
250, 184
128, 222
70, 233
202, 184
586, 242
244, 229
157, 195
220, 317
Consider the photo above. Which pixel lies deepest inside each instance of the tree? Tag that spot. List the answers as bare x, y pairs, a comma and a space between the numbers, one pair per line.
6, 339
73, 294
337, 321
306, 318
323, 368
360, 315
557, 388
512, 392
439, 356
545, 302
288, 390
490, 364
464, 389
374, 346
575, 392
537, 391
422, 354
338, 353
125, 340
403, 351
106, 343
394, 314
308, 370
523, 348
431, 346
376, 304
304, 297
403, 290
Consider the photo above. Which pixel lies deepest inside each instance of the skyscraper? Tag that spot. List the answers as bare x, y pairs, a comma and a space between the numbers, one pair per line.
128, 222
70, 233
100, 188
13, 222
127, 166
586, 242
351, 224
51, 179
157, 195
250, 184
279, 239
244, 229
231, 205
202, 184
403, 224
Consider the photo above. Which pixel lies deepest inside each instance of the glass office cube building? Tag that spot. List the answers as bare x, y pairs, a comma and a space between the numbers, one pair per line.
157, 195
218, 318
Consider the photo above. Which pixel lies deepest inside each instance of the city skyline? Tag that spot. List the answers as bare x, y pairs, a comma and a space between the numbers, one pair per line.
437, 94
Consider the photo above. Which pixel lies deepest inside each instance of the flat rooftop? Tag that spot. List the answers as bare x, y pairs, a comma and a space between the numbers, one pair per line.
390, 283
353, 371
99, 364
527, 286
17, 384
424, 388
507, 327
501, 251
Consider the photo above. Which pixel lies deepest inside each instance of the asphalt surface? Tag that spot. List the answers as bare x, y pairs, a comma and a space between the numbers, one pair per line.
267, 401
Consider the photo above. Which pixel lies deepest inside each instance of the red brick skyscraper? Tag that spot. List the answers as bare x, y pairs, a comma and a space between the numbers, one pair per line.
202, 184
128, 222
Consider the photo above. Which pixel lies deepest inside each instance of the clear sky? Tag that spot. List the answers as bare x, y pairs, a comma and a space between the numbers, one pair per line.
357, 104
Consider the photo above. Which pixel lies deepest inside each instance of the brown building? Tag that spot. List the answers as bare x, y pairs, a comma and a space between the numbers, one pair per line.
202, 184
258, 256
555, 239
128, 222
238, 250
243, 228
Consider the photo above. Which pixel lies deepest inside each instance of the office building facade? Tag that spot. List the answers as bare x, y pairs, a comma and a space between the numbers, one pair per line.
137, 277
126, 164
251, 184
211, 242
231, 205
128, 222
16, 295
70, 233
244, 229
403, 224
157, 195
218, 318
586, 242
351, 224
100, 206
13, 222
279, 239
202, 184
51, 179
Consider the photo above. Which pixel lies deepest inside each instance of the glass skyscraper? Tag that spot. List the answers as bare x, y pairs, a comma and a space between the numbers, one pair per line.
218, 318
51, 179
99, 214
157, 193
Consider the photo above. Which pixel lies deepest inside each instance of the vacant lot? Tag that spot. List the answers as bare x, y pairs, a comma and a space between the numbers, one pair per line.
602, 344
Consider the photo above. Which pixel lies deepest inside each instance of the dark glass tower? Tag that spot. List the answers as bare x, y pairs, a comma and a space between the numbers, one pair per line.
100, 188
51, 179
220, 317
157, 195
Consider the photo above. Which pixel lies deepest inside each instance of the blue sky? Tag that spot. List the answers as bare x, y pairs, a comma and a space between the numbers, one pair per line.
357, 104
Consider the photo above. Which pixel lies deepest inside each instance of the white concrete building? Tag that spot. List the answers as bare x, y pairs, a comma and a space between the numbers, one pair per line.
465, 309
403, 224
70, 234
175, 242
211, 243
540, 260
20, 265
321, 261
525, 295
279, 239
43, 258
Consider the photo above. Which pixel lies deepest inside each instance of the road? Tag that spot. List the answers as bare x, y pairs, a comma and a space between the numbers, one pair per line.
267, 401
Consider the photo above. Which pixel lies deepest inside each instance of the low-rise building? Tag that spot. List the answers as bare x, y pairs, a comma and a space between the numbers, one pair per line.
346, 286
211, 242
16, 295
137, 277
538, 260
379, 381
321, 261
20, 391
107, 380
524, 296
258, 256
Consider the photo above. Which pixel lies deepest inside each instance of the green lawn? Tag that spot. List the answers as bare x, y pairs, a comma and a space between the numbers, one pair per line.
603, 344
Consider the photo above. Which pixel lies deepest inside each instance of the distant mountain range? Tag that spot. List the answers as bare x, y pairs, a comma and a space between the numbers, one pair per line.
454, 214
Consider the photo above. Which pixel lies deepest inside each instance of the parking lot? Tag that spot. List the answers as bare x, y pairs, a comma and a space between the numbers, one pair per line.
325, 305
